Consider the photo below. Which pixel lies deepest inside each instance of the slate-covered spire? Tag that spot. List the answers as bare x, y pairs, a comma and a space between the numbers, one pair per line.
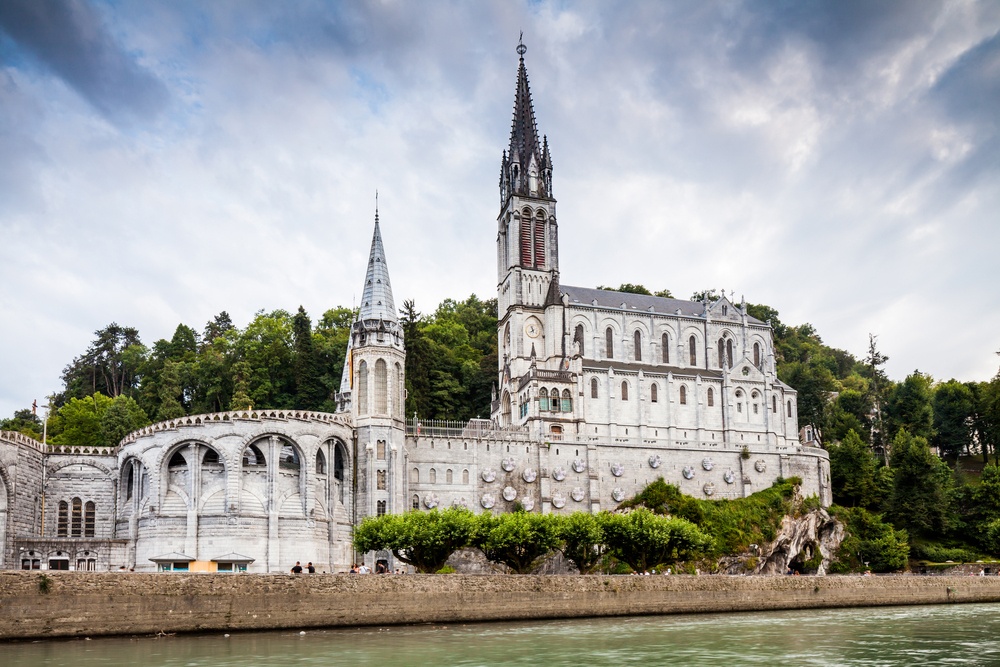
526, 166
376, 300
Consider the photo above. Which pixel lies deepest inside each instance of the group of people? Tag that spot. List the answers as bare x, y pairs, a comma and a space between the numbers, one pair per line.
297, 568
380, 568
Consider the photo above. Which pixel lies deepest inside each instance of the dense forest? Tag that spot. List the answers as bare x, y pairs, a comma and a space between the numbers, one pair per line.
914, 452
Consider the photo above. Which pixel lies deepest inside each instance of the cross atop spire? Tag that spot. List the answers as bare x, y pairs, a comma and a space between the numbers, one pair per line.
376, 299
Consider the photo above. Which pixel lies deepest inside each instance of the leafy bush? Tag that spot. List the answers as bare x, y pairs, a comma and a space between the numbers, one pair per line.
582, 535
518, 540
937, 553
644, 540
869, 543
424, 540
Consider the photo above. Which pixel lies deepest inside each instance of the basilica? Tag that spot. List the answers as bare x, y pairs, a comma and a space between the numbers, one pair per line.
598, 394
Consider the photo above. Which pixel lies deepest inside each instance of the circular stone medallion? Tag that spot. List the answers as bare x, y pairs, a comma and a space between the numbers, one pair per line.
617, 469
431, 501
688, 472
509, 493
729, 476
654, 461
489, 475
460, 502
559, 501
577, 494
579, 465
487, 501
508, 463
709, 489
760, 465
707, 463
529, 475
559, 474
528, 504
617, 494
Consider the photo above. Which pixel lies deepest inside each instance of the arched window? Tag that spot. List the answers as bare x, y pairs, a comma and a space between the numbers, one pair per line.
693, 351
567, 401
593, 387
711, 397
77, 520
415, 503
380, 480
400, 400
415, 476
722, 353
381, 388
729, 352
380, 450
540, 240
578, 338
448, 476
665, 345
525, 237
624, 390
637, 345
62, 526
543, 400
609, 343
653, 393
684, 395
338, 469
774, 404
756, 355
433, 476
789, 408
380, 508
252, 456
320, 463
739, 401
363, 388
465, 476
177, 460
130, 482
89, 518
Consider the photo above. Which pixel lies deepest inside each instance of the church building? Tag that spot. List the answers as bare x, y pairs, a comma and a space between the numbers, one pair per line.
599, 393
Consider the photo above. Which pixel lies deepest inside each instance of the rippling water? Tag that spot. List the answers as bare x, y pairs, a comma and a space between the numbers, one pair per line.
932, 635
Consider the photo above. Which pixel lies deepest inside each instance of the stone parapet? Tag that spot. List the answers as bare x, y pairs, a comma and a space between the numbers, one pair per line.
65, 604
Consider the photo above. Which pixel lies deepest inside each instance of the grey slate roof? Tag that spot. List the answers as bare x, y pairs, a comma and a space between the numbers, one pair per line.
586, 296
376, 301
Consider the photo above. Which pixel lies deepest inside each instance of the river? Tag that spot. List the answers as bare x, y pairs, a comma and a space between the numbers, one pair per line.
928, 635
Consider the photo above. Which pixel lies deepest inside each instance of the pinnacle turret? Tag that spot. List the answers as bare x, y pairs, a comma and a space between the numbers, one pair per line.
526, 166
376, 299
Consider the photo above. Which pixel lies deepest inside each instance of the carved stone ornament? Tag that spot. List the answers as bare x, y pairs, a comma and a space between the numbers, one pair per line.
488, 501
709, 489
688, 472
617, 494
707, 463
577, 494
529, 475
559, 474
559, 501
489, 475
655, 461
617, 469
760, 465
579, 465
508, 463
528, 504
729, 476
431, 501
460, 502
509, 493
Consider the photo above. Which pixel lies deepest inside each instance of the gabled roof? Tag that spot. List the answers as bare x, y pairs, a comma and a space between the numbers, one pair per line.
172, 557
233, 558
587, 296
376, 299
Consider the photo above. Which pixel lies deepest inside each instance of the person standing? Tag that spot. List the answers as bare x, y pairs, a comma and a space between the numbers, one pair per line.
310, 568
297, 568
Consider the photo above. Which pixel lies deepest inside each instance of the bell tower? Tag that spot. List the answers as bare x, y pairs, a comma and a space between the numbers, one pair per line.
527, 237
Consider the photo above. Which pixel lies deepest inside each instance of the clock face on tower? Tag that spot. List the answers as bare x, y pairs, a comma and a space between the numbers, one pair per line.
532, 328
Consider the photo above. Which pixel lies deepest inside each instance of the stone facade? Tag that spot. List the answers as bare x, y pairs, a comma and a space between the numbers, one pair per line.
599, 393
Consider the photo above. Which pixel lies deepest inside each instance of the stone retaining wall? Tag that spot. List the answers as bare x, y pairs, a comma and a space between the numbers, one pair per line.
63, 604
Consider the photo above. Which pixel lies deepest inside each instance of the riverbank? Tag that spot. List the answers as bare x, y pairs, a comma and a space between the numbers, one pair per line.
70, 604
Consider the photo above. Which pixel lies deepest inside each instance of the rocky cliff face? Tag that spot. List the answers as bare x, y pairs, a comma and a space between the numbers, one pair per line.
807, 543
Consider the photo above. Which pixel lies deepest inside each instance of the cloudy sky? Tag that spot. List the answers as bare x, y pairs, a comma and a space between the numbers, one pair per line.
164, 161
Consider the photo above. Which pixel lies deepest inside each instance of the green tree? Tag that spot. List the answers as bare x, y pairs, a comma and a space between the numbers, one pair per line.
120, 418
953, 407
78, 422
25, 422
109, 366
582, 536
310, 392
267, 346
241, 396
170, 391
643, 540
920, 501
518, 540
869, 543
910, 406
853, 473
424, 540
217, 327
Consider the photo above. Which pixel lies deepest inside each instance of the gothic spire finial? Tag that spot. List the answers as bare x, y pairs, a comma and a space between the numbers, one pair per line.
521, 48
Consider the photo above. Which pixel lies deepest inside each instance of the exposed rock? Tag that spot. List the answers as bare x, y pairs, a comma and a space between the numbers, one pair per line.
797, 542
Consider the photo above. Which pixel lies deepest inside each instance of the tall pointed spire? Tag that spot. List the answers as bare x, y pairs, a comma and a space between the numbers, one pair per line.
526, 165
376, 299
